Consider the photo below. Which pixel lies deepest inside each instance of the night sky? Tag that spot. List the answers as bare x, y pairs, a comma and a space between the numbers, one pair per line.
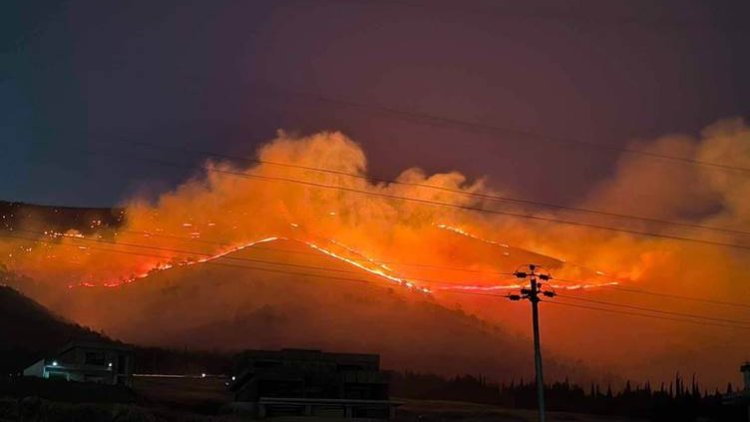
225, 75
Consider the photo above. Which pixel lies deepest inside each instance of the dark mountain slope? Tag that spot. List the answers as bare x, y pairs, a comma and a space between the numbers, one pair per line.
28, 330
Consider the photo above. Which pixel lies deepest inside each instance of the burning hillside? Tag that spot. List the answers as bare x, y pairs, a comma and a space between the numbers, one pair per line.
232, 307
285, 246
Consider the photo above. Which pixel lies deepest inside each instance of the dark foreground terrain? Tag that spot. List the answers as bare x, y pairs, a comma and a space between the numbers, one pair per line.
204, 399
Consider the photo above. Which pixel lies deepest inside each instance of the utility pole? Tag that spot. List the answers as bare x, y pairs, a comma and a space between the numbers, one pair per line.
532, 295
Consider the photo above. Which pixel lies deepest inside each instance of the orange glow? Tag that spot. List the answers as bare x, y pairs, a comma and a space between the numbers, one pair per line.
434, 253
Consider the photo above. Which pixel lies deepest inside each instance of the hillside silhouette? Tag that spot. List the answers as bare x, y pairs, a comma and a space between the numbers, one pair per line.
28, 330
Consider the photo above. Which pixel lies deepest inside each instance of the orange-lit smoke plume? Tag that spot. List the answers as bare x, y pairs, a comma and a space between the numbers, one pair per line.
438, 253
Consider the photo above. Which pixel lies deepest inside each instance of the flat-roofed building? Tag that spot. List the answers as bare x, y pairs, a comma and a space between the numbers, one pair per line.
295, 382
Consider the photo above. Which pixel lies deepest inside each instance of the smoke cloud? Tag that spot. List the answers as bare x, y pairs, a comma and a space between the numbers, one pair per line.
182, 256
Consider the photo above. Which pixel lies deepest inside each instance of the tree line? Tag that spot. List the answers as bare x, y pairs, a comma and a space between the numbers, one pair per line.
678, 400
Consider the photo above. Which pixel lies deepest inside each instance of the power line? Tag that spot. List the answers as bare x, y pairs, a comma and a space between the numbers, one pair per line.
376, 261
187, 253
507, 130
460, 269
571, 280
360, 261
305, 252
226, 264
257, 246
617, 311
479, 209
510, 273
487, 127
681, 297
190, 253
658, 311
456, 206
221, 255
494, 198
206, 254
695, 318
660, 294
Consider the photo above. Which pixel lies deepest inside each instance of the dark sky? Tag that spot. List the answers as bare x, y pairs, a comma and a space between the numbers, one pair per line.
225, 75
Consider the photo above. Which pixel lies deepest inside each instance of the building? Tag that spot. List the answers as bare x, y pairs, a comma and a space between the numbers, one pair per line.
295, 382
99, 362
741, 398
745, 369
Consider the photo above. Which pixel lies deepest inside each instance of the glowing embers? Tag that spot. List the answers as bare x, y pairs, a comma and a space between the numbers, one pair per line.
367, 264
167, 259
238, 248
472, 236
358, 260
480, 288
328, 247
495, 287
177, 262
504, 287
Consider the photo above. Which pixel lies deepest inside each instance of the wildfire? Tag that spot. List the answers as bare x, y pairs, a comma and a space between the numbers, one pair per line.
362, 262
164, 266
577, 286
346, 254
375, 269
439, 243
222, 210
469, 235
